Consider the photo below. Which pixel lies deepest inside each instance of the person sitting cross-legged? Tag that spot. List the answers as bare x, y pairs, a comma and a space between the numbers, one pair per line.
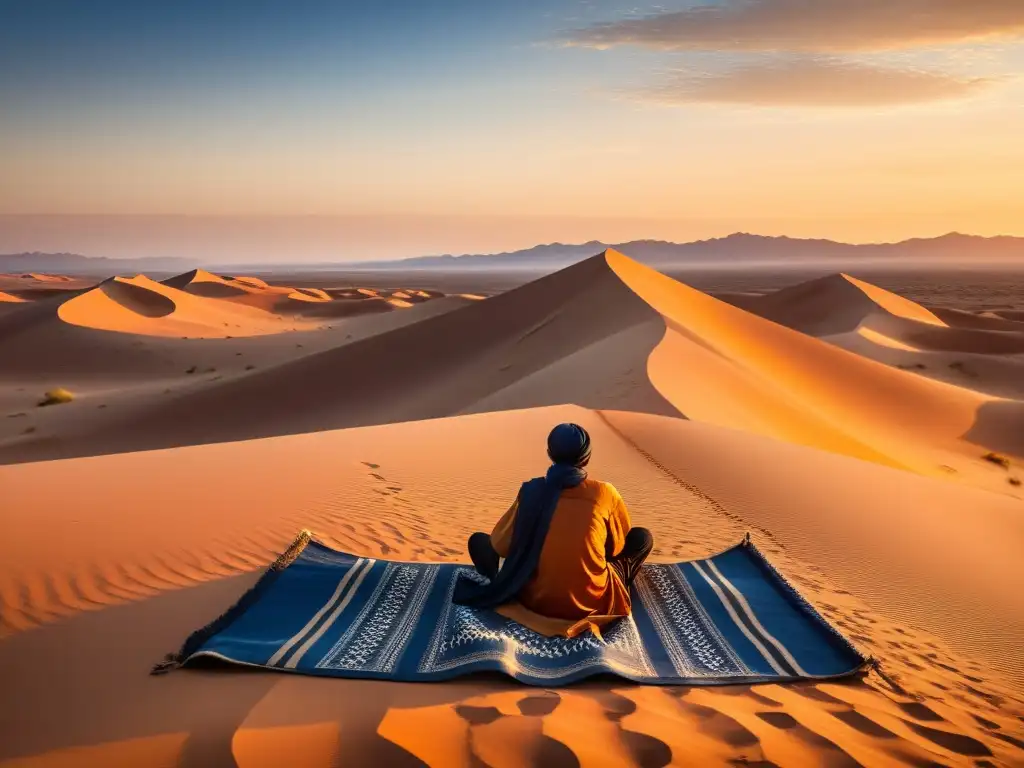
570, 553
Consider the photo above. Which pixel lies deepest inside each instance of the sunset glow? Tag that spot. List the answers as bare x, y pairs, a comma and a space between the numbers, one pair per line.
460, 126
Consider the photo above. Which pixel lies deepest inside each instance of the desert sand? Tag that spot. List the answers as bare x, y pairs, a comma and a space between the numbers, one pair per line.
845, 427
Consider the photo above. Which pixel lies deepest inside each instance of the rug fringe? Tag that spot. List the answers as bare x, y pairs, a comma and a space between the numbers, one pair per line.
876, 665
169, 664
195, 641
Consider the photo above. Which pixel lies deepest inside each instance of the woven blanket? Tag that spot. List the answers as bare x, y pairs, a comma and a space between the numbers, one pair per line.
730, 618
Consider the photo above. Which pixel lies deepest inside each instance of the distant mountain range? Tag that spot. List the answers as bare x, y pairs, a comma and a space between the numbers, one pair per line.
739, 249
76, 264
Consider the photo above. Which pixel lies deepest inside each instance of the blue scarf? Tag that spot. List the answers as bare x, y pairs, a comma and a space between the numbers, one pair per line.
537, 501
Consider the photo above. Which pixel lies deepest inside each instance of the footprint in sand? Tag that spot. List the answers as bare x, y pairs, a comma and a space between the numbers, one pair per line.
646, 751
863, 724
779, 720
539, 706
478, 715
985, 723
722, 725
954, 742
384, 488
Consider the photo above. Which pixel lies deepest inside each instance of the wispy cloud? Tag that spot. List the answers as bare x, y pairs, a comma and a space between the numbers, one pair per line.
813, 82
822, 26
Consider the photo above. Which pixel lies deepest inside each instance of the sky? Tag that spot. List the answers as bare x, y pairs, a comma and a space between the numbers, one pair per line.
319, 130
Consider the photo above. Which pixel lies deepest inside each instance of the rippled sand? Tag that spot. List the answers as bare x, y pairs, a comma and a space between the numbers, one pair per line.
861, 479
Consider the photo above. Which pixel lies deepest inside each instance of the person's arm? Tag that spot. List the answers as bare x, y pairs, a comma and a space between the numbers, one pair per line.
501, 536
618, 527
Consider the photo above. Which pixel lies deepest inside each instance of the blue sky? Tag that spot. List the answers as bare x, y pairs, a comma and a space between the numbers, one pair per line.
681, 120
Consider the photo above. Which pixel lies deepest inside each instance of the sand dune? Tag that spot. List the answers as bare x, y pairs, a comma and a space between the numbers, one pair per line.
413, 296
979, 352
85, 615
656, 346
142, 306
41, 349
199, 279
350, 308
835, 304
745, 372
199, 304
116, 375
252, 292
32, 286
47, 278
10, 303
989, 321
839, 305
310, 293
313, 303
794, 416
255, 282
418, 371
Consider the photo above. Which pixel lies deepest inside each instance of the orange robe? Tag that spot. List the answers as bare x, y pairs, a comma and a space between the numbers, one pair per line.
573, 588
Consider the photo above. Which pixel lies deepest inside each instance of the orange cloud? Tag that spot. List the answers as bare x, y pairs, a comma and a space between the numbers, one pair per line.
811, 26
817, 83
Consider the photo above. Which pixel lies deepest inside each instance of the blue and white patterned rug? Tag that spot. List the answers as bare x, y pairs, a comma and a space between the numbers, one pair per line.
728, 619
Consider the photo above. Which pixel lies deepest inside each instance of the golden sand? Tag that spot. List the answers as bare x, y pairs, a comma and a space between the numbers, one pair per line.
862, 480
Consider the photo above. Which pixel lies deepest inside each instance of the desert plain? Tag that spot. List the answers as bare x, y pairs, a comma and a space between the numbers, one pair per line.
872, 445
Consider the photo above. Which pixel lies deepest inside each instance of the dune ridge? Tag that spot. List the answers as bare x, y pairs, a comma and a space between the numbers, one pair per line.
142, 306
502, 341
980, 352
45, 278
763, 377
544, 344
200, 304
835, 304
246, 291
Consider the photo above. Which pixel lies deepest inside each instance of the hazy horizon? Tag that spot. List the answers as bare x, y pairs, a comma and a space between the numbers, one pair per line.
326, 240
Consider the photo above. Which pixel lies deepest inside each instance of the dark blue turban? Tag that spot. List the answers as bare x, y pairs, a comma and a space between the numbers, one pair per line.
569, 444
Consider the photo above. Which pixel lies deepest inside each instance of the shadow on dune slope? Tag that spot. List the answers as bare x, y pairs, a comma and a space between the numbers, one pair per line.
607, 333
579, 335
136, 298
999, 427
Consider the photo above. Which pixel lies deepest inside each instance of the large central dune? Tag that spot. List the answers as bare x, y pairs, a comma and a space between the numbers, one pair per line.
607, 333
720, 364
